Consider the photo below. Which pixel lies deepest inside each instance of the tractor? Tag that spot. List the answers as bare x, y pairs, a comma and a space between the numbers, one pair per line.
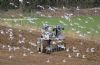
51, 39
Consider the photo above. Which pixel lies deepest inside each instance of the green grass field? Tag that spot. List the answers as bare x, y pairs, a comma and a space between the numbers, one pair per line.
83, 25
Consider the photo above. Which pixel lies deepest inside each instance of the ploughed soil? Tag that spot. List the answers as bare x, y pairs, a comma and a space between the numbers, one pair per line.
27, 54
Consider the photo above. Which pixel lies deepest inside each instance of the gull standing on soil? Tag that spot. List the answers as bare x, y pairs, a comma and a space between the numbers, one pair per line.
50, 8
87, 50
24, 54
3, 46
40, 6
23, 40
80, 35
31, 52
67, 49
30, 30
75, 49
43, 15
77, 8
48, 61
64, 7
24, 48
16, 48
69, 56
33, 44
66, 17
77, 32
77, 55
28, 49
83, 56
64, 60
73, 29
10, 57
2, 32
10, 49
92, 50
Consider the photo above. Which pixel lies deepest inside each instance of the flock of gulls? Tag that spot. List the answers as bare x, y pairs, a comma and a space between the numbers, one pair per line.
10, 36
27, 51
71, 52
74, 26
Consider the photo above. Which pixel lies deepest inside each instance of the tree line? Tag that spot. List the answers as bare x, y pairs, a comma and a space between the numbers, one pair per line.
32, 4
